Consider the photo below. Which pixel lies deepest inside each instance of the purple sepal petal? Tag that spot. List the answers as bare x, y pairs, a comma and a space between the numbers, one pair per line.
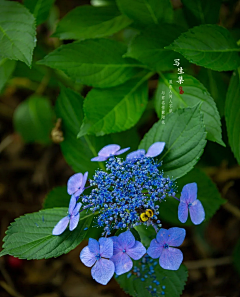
155, 149
106, 247
93, 246
74, 182
74, 222
155, 249
122, 263
126, 240
197, 213
103, 271
87, 257
189, 193
99, 159
77, 208
109, 150
72, 204
175, 236
137, 251
171, 259
135, 155
85, 176
122, 151
162, 236
61, 226
182, 212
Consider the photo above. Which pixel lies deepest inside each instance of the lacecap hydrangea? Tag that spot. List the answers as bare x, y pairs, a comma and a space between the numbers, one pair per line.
127, 194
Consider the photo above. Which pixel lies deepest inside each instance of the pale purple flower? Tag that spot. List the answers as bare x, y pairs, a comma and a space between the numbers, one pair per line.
97, 254
72, 218
154, 150
189, 202
126, 247
162, 247
108, 151
76, 184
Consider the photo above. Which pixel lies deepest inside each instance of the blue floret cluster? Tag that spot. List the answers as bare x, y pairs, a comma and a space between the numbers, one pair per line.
128, 194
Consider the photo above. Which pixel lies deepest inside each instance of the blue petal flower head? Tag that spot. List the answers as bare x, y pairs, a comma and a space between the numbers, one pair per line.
153, 151
126, 247
72, 218
108, 151
76, 184
162, 247
189, 202
97, 254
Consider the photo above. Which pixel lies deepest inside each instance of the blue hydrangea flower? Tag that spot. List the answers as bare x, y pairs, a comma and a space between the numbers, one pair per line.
153, 151
162, 247
76, 184
97, 253
189, 202
108, 151
126, 247
72, 218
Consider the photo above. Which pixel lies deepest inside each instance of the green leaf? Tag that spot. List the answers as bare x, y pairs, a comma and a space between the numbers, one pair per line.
207, 193
57, 197
77, 152
147, 12
30, 236
232, 113
216, 83
236, 256
33, 119
96, 63
39, 8
174, 281
102, 2
184, 135
201, 11
146, 233
114, 109
6, 70
210, 46
148, 47
17, 32
86, 22
194, 93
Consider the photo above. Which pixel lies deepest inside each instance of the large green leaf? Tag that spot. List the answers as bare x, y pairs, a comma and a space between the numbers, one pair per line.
184, 135
57, 197
148, 47
17, 32
171, 282
39, 8
86, 22
6, 69
33, 119
194, 92
146, 233
147, 12
201, 11
210, 46
30, 236
232, 114
97, 62
114, 109
207, 193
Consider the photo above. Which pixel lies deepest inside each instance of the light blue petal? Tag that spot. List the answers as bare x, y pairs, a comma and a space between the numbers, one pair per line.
189, 193
171, 259
183, 212
85, 176
155, 249
197, 213
137, 251
77, 208
122, 151
74, 182
99, 159
109, 150
106, 247
175, 236
155, 149
72, 204
162, 236
103, 271
126, 240
122, 262
61, 226
74, 222
135, 155
93, 246
87, 257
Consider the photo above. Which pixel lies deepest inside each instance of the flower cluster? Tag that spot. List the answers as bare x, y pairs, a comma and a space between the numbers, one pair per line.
128, 194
